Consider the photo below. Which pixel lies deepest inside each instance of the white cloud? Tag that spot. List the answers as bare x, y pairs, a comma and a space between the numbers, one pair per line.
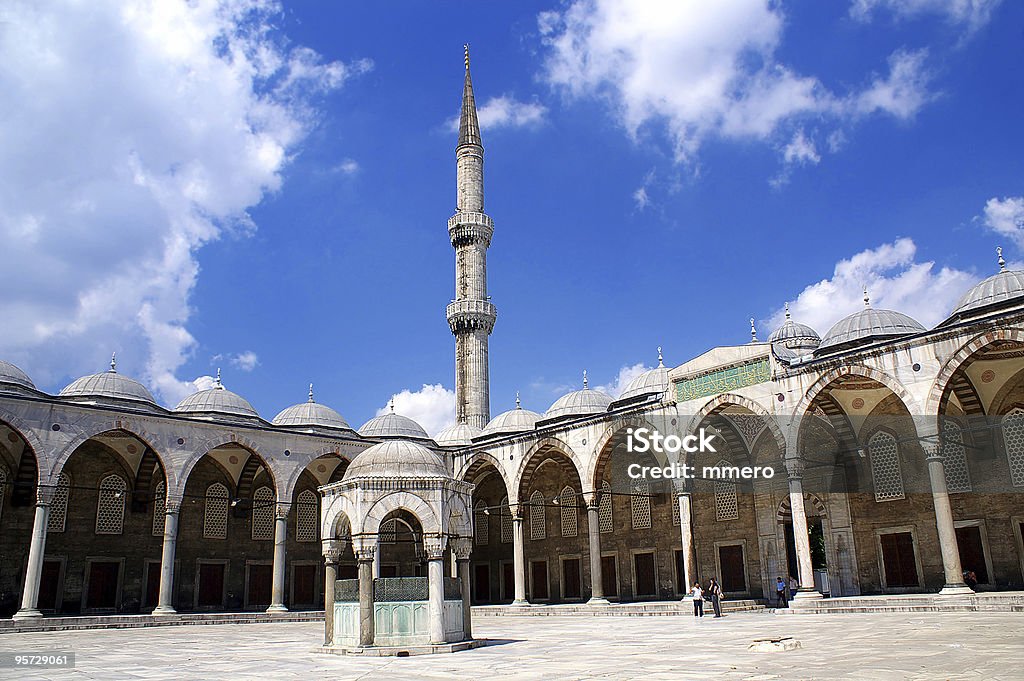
704, 70
348, 166
640, 198
1006, 217
142, 132
895, 281
432, 406
246, 361
505, 112
623, 379
971, 13
800, 150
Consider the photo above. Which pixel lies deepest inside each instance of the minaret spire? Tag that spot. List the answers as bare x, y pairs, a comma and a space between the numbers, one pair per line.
471, 315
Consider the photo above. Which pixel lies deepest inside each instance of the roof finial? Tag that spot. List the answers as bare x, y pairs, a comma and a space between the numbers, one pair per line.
391, 404
466, 48
1002, 263
113, 362
867, 299
661, 360
311, 392
585, 385
519, 404
787, 311
753, 331
217, 384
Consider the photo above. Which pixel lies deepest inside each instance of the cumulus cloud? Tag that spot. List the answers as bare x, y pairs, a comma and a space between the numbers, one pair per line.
246, 361
432, 406
505, 112
895, 280
348, 166
142, 131
1006, 217
623, 379
970, 13
705, 70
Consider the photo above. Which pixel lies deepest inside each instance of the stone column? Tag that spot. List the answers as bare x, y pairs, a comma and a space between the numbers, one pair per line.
954, 576
463, 548
686, 533
795, 468
435, 573
165, 604
280, 546
36, 551
518, 557
366, 625
332, 554
594, 535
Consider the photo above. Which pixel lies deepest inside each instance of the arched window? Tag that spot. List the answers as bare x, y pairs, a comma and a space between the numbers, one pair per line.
263, 513
537, 516
604, 508
215, 515
59, 505
506, 522
389, 531
570, 514
726, 505
306, 515
640, 504
159, 508
1013, 438
885, 466
481, 524
110, 505
958, 475
674, 501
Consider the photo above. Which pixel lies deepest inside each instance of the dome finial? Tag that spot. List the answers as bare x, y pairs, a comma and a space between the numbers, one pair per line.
661, 360
519, 405
466, 48
585, 384
753, 331
311, 392
217, 384
787, 311
391, 404
1002, 263
867, 299
113, 362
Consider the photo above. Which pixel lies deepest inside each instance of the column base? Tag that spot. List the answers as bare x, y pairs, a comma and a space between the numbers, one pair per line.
27, 614
805, 597
277, 608
521, 603
601, 600
162, 610
956, 590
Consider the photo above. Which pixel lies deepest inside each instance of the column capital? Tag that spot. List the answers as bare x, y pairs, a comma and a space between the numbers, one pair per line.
332, 550
172, 505
933, 451
365, 554
434, 547
44, 494
462, 546
281, 509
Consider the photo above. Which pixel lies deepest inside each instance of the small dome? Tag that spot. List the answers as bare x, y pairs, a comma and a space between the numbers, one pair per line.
109, 385
311, 414
393, 425
458, 435
216, 400
649, 382
998, 288
397, 458
516, 420
12, 375
794, 335
580, 403
869, 324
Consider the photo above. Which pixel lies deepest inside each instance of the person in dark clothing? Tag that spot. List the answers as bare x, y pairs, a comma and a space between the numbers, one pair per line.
715, 594
698, 600
970, 579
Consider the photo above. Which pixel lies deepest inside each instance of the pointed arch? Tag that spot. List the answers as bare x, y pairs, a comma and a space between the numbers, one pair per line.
960, 358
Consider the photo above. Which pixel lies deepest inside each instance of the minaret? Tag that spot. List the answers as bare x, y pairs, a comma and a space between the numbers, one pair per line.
471, 315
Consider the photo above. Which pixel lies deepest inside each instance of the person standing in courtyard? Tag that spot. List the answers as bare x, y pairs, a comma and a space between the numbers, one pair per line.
793, 586
715, 593
698, 600
780, 592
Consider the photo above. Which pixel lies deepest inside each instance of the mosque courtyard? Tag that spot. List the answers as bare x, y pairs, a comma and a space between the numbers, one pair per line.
968, 645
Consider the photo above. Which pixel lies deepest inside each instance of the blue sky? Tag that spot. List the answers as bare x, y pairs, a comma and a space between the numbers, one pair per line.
266, 187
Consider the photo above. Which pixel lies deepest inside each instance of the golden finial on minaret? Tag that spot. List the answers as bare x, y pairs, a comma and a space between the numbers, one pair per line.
466, 48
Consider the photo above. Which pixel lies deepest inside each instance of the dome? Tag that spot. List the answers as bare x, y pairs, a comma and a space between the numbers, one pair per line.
869, 324
110, 385
649, 382
311, 414
216, 400
14, 376
580, 403
458, 435
393, 425
397, 458
1006, 285
516, 420
794, 335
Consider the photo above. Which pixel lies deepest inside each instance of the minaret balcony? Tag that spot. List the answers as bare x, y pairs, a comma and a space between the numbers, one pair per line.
467, 227
469, 315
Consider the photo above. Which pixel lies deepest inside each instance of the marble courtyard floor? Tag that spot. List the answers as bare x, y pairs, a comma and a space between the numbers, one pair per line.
968, 645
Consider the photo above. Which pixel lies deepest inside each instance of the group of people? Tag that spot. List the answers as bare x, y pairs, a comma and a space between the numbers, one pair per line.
712, 593
785, 591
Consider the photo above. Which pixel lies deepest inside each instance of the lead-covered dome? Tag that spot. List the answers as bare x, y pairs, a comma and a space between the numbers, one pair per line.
649, 382
1000, 287
457, 435
580, 403
396, 458
392, 425
12, 375
794, 335
869, 324
109, 385
310, 414
216, 400
516, 420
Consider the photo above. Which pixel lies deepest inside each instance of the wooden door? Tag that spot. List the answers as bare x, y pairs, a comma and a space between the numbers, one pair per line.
211, 585
152, 583
481, 583
898, 560
539, 574
260, 579
609, 576
571, 588
103, 584
972, 552
508, 576
733, 577
49, 583
646, 580
303, 585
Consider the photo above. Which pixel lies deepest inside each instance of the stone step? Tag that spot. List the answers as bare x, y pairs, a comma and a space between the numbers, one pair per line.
985, 602
135, 621
652, 609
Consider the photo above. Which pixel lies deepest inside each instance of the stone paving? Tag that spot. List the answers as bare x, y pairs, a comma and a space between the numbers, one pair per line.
961, 645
